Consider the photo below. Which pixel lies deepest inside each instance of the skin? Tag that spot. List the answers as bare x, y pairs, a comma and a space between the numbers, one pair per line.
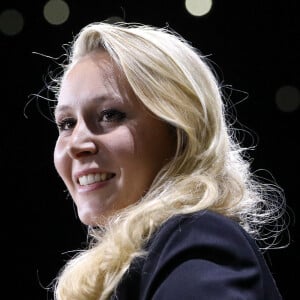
105, 129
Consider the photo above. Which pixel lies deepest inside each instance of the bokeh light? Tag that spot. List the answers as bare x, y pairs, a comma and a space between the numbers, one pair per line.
56, 12
11, 22
198, 8
288, 98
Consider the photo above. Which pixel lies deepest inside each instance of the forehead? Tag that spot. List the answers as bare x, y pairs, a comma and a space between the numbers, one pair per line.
98, 62
95, 76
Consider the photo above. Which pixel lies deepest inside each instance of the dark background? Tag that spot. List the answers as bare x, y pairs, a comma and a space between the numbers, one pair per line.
255, 47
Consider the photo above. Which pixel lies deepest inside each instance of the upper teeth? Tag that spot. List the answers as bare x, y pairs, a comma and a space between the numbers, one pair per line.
92, 178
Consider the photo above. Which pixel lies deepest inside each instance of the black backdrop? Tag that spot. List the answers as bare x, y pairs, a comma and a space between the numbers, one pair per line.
255, 47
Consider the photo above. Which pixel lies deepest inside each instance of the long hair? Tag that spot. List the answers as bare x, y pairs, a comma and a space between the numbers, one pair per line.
209, 170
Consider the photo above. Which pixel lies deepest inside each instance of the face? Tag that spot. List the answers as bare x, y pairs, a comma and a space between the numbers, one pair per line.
110, 147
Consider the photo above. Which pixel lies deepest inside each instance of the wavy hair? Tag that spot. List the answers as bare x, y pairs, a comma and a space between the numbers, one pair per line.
209, 170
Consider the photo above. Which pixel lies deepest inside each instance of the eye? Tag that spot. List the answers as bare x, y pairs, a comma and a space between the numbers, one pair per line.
66, 124
112, 115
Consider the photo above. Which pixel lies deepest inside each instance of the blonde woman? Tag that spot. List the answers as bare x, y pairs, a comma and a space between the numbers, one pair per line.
156, 173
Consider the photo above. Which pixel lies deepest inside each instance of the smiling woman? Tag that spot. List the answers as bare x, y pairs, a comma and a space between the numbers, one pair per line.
152, 165
110, 148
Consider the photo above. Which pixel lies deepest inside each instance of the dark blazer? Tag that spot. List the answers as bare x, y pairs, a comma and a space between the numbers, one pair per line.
199, 256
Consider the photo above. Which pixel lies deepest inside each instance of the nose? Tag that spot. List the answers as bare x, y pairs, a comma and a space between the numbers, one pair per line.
82, 142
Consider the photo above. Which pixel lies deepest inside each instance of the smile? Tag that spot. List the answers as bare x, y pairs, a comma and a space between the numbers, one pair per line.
93, 178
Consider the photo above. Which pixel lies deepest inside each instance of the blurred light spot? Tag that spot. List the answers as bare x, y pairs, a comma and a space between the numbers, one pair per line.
288, 98
198, 8
11, 22
56, 12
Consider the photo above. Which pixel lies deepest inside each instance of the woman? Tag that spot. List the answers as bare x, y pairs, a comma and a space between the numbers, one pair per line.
154, 169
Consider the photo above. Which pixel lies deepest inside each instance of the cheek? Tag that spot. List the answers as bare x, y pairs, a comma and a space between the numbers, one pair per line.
120, 144
59, 158
146, 153
156, 146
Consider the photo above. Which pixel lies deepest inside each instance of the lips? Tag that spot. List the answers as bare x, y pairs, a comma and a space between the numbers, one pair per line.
94, 177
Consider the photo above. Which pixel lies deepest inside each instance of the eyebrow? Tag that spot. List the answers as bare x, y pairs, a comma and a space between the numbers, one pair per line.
60, 108
100, 99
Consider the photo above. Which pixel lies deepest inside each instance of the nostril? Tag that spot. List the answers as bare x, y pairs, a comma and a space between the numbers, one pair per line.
82, 149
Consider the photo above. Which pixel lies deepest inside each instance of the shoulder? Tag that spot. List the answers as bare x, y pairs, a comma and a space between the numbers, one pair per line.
201, 251
202, 223
199, 256
201, 229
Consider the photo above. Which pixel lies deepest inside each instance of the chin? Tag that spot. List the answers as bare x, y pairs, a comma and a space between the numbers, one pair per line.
92, 219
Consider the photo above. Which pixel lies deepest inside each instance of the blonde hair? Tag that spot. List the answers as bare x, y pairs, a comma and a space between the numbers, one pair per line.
209, 171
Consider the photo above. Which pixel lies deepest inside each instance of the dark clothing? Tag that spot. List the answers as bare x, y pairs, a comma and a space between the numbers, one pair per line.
199, 256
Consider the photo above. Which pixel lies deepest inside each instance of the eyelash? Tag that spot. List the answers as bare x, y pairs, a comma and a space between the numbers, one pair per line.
112, 115
107, 116
66, 124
